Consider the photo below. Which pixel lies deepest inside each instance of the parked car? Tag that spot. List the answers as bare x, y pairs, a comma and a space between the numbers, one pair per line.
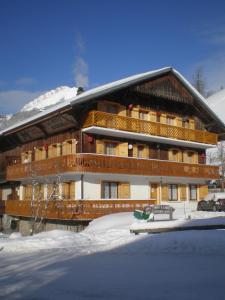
220, 204
212, 202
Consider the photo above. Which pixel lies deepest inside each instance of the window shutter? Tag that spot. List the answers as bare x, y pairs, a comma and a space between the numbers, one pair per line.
122, 110
195, 158
123, 149
183, 196
203, 191
146, 152
165, 192
163, 118
192, 124
178, 122
134, 150
135, 113
100, 148
72, 190
154, 191
153, 116
124, 190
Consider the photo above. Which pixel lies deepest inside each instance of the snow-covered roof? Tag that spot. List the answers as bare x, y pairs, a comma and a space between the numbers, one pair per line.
117, 85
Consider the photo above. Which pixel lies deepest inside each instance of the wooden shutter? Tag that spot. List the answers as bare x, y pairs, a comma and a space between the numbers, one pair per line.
122, 110
100, 147
66, 190
183, 194
179, 156
123, 149
195, 158
28, 192
163, 118
134, 150
135, 113
154, 191
192, 124
72, 190
178, 121
153, 116
146, 152
203, 191
165, 192
124, 190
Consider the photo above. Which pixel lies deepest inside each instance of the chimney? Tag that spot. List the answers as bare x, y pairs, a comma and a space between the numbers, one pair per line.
80, 90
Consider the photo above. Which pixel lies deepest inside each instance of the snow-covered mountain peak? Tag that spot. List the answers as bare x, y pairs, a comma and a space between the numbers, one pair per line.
217, 103
51, 97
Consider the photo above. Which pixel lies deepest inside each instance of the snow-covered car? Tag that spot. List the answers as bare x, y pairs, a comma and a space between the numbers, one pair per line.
212, 202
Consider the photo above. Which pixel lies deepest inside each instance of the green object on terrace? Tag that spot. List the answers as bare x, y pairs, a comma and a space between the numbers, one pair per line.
141, 215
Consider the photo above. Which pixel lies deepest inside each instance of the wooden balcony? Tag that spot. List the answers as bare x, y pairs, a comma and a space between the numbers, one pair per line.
112, 121
95, 163
72, 210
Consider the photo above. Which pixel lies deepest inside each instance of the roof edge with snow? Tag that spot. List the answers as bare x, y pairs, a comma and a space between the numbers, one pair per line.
115, 86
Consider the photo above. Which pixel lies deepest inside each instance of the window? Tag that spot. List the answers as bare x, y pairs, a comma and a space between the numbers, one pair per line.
172, 192
140, 151
174, 155
109, 190
169, 120
112, 109
110, 148
143, 115
26, 157
185, 123
69, 147
193, 192
190, 157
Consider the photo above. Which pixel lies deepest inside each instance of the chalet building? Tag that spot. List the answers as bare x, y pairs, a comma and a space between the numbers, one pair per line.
117, 147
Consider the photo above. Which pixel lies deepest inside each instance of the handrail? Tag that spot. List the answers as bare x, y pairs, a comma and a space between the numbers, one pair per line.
95, 163
72, 209
113, 121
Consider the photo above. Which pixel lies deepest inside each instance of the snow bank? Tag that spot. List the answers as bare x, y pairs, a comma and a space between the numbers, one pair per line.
102, 234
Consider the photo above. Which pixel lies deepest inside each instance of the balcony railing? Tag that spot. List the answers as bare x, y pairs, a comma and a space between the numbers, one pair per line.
72, 210
96, 163
112, 121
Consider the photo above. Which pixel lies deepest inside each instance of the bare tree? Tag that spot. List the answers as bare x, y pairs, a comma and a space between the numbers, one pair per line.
217, 157
199, 81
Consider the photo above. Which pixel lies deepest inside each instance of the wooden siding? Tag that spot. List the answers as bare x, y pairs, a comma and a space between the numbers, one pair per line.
107, 120
82, 163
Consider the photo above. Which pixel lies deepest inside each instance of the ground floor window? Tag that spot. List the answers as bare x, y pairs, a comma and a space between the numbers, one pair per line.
172, 189
109, 190
193, 192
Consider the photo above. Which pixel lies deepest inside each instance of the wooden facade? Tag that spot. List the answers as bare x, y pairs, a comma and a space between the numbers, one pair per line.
56, 167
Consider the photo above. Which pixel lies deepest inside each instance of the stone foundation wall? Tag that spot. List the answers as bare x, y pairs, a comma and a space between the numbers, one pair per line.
27, 226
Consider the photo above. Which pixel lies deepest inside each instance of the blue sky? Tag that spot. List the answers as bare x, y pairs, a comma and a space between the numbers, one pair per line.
50, 43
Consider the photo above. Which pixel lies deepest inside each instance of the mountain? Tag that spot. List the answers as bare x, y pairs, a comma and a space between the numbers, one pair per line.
217, 103
50, 98
41, 103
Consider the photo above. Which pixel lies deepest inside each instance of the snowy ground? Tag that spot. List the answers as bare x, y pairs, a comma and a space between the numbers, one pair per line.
106, 262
